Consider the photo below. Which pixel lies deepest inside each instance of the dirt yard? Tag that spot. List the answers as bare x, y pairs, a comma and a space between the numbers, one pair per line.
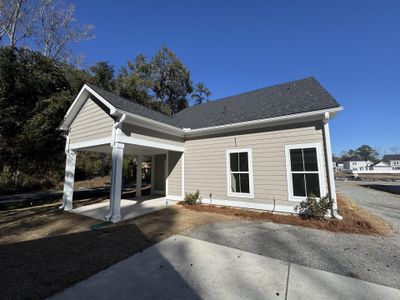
43, 250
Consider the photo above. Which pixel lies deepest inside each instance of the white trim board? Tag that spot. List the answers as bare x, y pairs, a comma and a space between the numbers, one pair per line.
150, 144
174, 198
251, 205
91, 143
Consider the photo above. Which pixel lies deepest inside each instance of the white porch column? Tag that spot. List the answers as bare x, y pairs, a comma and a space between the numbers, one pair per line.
114, 214
139, 161
69, 180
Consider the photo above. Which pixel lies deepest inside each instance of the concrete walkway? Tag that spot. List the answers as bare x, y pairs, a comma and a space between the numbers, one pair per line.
129, 208
186, 268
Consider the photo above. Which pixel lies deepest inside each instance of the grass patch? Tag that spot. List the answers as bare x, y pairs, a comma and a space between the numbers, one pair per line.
355, 219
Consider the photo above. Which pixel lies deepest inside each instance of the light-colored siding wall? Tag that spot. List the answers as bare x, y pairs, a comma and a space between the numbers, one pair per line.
159, 172
205, 162
174, 173
135, 131
91, 123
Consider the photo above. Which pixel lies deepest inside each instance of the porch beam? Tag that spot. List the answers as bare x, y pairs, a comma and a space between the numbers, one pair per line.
151, 144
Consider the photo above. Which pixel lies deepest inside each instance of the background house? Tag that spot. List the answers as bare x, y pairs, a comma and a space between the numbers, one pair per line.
356, 163
393, 160
382, 166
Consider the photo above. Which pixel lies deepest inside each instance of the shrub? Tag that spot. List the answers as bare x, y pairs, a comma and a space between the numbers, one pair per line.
314, 208
192, 198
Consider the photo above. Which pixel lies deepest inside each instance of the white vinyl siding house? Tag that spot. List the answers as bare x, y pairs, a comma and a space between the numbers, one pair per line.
245, 151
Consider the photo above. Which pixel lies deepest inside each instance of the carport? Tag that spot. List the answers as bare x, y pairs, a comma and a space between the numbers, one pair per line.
94, 123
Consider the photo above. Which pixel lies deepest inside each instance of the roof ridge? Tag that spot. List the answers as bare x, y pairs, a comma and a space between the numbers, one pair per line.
249, 92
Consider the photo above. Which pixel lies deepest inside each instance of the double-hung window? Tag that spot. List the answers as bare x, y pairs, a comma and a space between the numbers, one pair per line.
240, 173
304, 171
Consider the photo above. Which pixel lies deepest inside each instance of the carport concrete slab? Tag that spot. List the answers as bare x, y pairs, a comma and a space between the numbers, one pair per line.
129, 208
308, 283
185, 268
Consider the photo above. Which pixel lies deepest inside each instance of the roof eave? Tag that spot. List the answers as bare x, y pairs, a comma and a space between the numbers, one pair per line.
286, 119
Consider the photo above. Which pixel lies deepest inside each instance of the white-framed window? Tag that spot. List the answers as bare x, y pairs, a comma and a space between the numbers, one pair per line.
239, 166
304, 171
354, 164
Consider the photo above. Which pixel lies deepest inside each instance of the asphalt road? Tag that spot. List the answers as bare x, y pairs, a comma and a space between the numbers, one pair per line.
369, 258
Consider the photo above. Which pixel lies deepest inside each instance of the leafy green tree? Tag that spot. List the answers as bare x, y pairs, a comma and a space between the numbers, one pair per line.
366, 152
34, 96
171, 80
103, 75
200, 94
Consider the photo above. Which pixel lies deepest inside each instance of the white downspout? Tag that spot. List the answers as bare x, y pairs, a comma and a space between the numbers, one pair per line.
330, 174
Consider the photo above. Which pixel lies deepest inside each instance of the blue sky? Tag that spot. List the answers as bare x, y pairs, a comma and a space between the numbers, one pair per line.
351, 47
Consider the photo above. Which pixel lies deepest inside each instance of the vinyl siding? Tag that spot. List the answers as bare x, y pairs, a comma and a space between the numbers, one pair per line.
206, 170
91, 123
174, 173
147, 134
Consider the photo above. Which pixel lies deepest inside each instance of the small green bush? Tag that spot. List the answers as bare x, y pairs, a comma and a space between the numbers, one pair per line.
192, 198
314, 208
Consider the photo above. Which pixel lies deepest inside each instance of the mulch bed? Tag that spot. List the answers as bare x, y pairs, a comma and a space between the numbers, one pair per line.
355, 219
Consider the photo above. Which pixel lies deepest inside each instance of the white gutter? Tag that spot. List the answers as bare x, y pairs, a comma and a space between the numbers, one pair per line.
329, 163
191, 132
116, 129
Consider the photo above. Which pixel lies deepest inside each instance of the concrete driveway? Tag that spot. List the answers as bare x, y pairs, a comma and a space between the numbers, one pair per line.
369, 258
185, 268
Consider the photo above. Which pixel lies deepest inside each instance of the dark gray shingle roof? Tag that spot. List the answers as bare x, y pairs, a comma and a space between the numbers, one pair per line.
132, 107
388, 157
294, 97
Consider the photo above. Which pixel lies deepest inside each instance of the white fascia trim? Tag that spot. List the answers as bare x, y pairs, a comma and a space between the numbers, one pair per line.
83, 95
228, 173
251, 205
91, 143
174, 198
146, 143
321, 169
194, 132
154, 124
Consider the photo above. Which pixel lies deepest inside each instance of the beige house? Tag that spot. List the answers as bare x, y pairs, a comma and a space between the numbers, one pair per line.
266, 149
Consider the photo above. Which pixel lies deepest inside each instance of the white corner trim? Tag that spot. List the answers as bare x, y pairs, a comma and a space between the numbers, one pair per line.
322, 183
228, 173
174, 198
91, 143
251, 205
146, 143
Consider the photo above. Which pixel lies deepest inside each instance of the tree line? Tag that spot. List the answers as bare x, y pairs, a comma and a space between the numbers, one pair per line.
40, 76
365, 152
